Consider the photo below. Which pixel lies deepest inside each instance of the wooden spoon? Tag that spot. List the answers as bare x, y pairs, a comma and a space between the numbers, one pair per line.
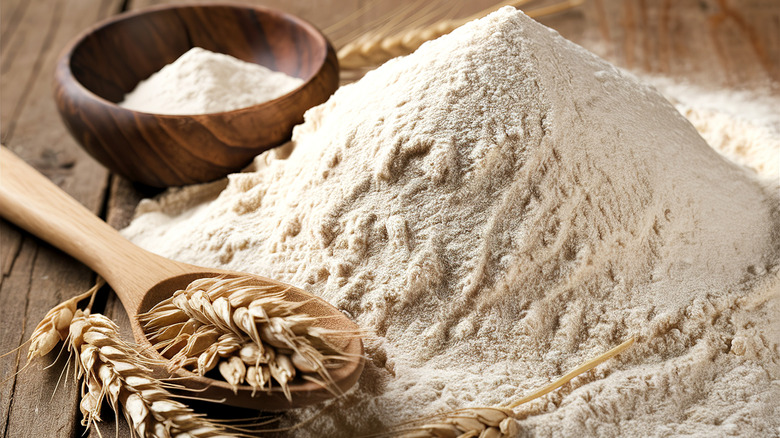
142, 279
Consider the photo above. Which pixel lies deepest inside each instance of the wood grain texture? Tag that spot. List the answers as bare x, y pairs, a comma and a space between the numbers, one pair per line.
44, 273
36, 277
174, 150
716, 43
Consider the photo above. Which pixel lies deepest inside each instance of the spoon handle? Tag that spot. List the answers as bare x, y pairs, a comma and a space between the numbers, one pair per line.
34, 203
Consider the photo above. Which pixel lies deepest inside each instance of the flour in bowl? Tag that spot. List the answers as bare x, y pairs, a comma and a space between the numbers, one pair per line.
497, 208
202, 82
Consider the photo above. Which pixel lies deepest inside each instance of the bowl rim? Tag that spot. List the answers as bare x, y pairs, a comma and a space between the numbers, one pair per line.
64, 60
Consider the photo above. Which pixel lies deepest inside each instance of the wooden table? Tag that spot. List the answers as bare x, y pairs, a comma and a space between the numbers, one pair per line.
721, 43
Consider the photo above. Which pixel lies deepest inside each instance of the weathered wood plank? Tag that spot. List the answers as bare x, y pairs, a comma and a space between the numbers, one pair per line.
10, 243
322, 13
11, 306
343, 20
35, 276
48, 280
11, 12
721, 43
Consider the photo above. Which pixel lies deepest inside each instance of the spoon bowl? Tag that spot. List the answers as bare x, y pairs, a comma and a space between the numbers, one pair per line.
142, 279
303, 392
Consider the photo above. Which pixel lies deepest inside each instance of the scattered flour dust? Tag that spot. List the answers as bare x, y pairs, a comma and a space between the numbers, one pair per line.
499, 207
202, 82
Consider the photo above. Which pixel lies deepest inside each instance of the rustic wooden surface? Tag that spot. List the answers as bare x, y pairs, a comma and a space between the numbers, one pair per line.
721, 43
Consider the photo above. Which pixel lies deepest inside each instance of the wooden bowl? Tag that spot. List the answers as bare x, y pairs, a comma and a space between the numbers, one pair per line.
108, 61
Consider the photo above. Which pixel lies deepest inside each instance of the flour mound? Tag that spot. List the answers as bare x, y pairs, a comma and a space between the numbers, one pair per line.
499, 207
743, 125
203, 82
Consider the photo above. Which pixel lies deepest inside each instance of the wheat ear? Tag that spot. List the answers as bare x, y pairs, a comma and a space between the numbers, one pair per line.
374, 49
498, 422
249, 331
114, 371
55, 325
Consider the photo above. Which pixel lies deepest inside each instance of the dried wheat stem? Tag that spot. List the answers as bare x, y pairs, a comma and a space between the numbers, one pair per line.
584, 368
495, 422
248, 331
375, 48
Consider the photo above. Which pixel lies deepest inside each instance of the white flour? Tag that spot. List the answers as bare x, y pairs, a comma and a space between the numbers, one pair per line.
202, 82
742, 125
499, 207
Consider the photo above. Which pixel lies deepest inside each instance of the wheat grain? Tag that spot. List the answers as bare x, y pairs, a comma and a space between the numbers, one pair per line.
249, 331
471, 422
375, 48
114, 371
55, 325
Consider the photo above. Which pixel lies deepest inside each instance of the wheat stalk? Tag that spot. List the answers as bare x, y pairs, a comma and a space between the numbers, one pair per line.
112, 370
375, 48
471, 422
248, 331
498, 422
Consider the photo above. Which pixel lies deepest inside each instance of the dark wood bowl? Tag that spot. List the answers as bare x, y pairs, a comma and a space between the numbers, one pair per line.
109, 60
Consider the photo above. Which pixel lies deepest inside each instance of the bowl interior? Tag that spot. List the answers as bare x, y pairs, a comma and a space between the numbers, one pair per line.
112, 59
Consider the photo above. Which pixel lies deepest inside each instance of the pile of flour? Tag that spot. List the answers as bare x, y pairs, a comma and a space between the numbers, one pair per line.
499, 207
202, 82
743, 125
